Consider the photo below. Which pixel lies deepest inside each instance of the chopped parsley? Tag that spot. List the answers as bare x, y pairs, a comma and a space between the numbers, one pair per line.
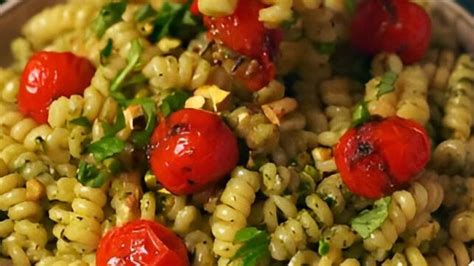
106, 51
81, 121
108, 16
326, 47
387, 84
370, 220
350, 6
111, 130
176, 20
323, 247
141, 138
145, 13
133, 58
106, 147
254, 248
174, 102
89, 175
360, 115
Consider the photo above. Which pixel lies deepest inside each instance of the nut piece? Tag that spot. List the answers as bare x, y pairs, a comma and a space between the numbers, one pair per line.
195, 102
35, 190
321, 154
168, 44
275, 111
131, 113
220, 99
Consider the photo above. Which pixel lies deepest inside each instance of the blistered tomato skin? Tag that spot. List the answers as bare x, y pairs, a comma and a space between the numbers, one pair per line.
245, 34
396, 26
382, 156
141, 242
191, 150
48, 76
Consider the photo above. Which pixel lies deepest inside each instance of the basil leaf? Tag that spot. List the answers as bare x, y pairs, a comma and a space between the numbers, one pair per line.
370, 220
108, 16
174, 102
106, 51
142, 138
133, 58
145, 13
387, 83
106, 147
89, 175
81, 121
326, 47
254, 248
360, 115
323, 248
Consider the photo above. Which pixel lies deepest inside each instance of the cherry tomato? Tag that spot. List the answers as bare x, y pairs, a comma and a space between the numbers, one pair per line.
141, 242
245, 34
396, 26
48, 76
382, 156
191, 150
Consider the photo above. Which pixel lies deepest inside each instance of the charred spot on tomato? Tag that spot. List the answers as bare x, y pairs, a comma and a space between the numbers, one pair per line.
178, 129
364, 149
191, 182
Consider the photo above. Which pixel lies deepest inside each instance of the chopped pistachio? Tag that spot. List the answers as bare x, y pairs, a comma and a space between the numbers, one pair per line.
166, 45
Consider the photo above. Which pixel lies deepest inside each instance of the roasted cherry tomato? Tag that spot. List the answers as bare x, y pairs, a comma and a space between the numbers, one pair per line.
191, 150
396, 26
141, 242
245, 34
382, 156
48, 76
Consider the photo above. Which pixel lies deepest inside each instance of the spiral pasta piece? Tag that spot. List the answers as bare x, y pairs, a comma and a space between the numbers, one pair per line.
384, 62
438, 67
189, 71
455, 253
54, 21
200, 245
295, 233
461, 226
424, 196
411, 256
459, 109
278, 12
126, 193
412, 85
231, 215
9, 85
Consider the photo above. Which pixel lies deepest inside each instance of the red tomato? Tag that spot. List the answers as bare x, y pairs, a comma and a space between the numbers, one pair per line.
382, 156
48, 76
245, 34
396, 26
141, 242
191, 150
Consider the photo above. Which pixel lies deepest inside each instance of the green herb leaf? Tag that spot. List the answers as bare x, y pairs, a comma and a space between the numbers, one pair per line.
106, 51
89, 175
145, 13
133, 58
106, 147
326, 47
387, 84
370, 220
254, 248
174, 102
111, 130
141, 138
360, 115
175, 19
323, 248
350, 6
108, 16
81, 121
